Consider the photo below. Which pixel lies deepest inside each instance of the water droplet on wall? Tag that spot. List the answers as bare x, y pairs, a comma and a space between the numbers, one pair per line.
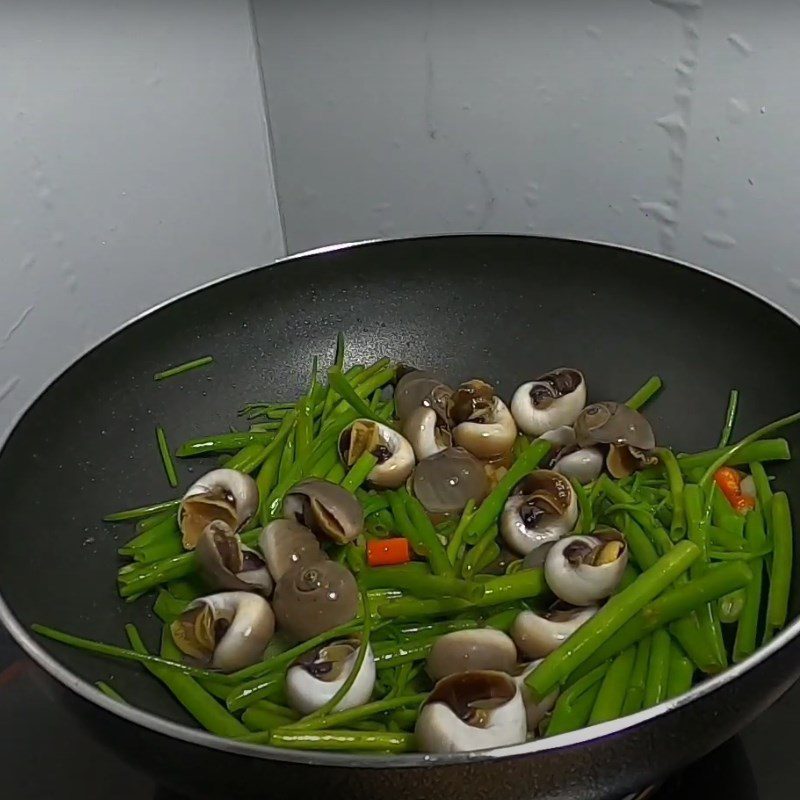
740, 43
662, 211
719, 239
676, 123
737, 109
16, 325
9, 387
679, 6
672, 123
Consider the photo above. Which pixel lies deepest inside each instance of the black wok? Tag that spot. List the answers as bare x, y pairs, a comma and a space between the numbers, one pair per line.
500, 307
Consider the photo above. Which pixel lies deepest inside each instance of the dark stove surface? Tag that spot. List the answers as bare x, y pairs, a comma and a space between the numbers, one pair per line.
46, 754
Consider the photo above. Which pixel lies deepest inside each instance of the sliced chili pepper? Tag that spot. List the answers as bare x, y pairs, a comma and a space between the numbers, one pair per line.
729, 481
388, 552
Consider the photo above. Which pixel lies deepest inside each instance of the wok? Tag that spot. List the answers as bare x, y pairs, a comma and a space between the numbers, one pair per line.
500, 307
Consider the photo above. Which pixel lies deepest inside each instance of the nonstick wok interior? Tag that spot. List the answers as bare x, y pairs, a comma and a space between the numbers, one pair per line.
500, 308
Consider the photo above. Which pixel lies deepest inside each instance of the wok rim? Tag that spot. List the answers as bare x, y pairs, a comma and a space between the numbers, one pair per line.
194, 736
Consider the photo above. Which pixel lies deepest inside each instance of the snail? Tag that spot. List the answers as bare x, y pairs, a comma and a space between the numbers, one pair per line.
552, 400
326, 509
313, 598
538, 634
286, 544
444, 483
319, 674
541, 509
472, 710
227, 631
626, 432
394, 453
226, 563
482, 422
222, 494
582, 570
461, 651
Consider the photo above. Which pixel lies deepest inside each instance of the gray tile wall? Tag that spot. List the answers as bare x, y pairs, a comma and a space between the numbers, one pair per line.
134, 165
667, 125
